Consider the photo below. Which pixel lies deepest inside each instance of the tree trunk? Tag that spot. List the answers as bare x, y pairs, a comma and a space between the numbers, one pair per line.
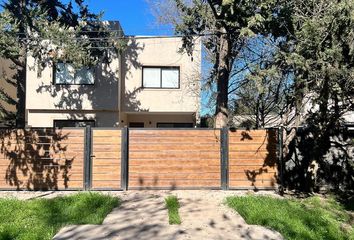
222, 77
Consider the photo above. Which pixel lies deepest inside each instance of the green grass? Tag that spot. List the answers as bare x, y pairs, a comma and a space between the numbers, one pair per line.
42, 218
312, 218
172, 205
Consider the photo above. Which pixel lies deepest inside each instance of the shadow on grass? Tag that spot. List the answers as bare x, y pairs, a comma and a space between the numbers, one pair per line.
312, 218
42, 218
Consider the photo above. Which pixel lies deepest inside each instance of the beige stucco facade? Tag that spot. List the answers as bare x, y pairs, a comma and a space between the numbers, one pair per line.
117, 96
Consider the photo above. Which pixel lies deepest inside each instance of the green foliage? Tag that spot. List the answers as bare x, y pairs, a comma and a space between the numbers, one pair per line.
42, 218
312, 218
52, 31
172, 206
227, 27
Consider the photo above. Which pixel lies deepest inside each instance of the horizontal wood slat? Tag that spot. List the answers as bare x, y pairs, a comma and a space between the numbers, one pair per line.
174, 159
252, 159
106, 161
41, 159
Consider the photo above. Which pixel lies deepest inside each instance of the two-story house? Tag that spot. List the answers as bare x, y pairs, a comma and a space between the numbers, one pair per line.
149, 84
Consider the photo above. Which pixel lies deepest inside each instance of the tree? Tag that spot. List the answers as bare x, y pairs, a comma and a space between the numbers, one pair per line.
259, 95
318, 51
50, 31
225, 27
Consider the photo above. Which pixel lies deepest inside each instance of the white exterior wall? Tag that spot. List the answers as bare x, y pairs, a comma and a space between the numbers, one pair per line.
160, 52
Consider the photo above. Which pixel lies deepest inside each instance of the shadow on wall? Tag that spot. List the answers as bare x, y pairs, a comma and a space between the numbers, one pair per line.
104, 94
316, 162
130, 59
41, 159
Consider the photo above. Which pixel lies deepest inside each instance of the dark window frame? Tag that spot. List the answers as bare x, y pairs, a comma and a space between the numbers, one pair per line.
142, 124
72, 84
181, 123
162, 68
75, 120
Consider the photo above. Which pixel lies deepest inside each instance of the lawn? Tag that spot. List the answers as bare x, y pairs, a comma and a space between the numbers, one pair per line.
42, 218
172, 206
311, 218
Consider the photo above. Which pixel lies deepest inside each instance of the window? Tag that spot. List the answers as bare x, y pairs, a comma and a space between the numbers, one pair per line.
65, 73
136, 124
161, 77
73, 123
174, 125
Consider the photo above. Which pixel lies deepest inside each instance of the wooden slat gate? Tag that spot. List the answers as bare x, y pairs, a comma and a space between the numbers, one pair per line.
171, 159
106, 159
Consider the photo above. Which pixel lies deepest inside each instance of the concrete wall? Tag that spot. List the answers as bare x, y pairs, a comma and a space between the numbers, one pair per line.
43, 95
160, 52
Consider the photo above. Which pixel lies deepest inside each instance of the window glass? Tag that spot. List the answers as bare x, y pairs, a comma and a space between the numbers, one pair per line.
151, 77
84, 76
160, 77
64, 73
170, 78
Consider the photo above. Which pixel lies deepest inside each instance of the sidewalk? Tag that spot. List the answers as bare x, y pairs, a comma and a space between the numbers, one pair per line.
143, 215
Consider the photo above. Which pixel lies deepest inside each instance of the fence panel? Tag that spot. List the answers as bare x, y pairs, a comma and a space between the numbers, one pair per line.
41, 159
106, 161
252, 159
174, 158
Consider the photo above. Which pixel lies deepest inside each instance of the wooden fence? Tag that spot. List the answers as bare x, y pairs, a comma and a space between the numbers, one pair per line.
120, 159
41, 159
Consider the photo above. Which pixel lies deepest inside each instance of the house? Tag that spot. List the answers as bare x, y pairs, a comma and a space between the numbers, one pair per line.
150, 84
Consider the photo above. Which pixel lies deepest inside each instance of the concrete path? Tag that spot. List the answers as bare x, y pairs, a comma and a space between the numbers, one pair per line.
143, 215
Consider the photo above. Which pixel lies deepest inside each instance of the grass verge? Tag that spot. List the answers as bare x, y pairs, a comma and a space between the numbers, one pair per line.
172, 205
311, 218
42, 218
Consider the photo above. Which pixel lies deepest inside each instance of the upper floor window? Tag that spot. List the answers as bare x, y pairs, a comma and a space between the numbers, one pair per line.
65, 73
161, 77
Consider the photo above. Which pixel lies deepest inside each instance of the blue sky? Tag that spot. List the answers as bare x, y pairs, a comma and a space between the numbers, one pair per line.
134, 15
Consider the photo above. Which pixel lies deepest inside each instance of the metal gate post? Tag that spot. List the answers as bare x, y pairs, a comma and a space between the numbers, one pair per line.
124, 158
87, 158
281, 162
224, 153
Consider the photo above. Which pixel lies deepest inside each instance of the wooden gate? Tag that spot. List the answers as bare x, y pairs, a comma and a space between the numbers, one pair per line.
174, 158
106, 159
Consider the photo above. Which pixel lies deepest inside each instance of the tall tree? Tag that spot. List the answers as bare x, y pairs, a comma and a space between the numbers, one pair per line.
48, 30
318, 51
226, 25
